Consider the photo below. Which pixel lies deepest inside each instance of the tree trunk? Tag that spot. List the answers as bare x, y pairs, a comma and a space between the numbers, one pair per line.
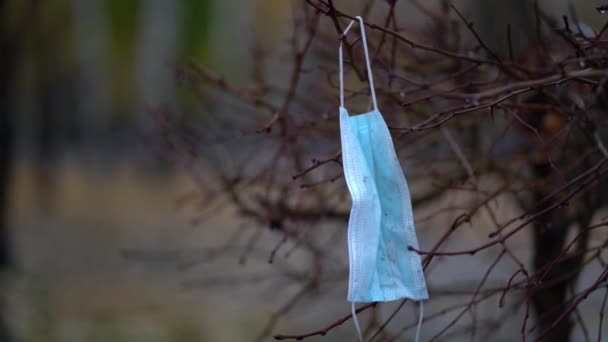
550, 233
7, 66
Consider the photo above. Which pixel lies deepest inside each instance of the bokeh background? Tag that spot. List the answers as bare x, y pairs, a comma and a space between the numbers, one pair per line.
93, 206
86, 185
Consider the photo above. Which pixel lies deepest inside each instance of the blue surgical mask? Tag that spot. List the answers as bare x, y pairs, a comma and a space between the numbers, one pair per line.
381, 225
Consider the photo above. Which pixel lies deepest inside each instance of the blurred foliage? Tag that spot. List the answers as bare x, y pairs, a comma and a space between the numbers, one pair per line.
123, 17
50, 52
194, 29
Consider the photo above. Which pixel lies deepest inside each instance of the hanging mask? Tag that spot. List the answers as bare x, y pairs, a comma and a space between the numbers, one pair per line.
381, 224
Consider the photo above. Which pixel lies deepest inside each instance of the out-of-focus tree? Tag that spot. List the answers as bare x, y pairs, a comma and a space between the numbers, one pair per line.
9, 45
75, 78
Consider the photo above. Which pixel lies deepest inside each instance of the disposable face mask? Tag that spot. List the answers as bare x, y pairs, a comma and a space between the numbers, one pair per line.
381, 225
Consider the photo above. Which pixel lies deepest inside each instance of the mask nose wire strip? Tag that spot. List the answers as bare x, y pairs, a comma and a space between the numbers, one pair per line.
356, 322
367, 63
421, 314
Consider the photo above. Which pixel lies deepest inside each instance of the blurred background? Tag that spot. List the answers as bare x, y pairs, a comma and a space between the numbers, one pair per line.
92, 216
86, 183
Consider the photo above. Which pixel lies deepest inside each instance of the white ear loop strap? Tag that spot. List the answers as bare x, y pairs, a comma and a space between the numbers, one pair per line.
367, 62
356, 322
341, 63
418, 328
421, 314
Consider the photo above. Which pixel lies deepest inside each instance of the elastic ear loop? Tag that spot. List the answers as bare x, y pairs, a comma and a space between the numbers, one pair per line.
367, 63
421, 314
356, 321
418, 328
